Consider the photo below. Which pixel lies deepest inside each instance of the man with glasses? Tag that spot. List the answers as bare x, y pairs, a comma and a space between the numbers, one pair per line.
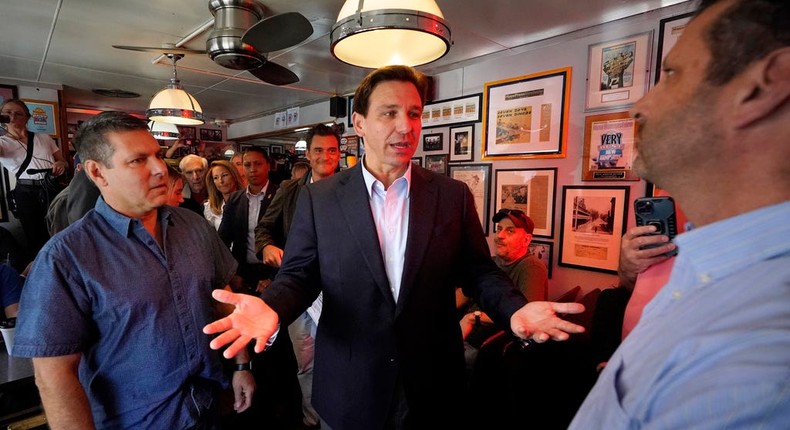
20, 151
323, 154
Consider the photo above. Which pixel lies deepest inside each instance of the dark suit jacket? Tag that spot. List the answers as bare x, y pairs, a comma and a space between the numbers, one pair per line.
366, 341
273, 227
234, 226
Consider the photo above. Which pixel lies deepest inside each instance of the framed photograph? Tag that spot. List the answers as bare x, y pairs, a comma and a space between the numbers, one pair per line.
276, 149
544, 252
211, 134
669, 30
452, 111
187, 133
478, 178
432, 142
593, 222
436, 163
527, 116
462, 143
417, 161
350, 110
7, 92
532, 191
619, 71
44, 117
609, 149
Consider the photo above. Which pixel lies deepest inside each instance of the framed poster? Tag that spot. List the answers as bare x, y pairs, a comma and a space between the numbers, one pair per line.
669, 30
478, 178
211, 134
43, 117
543, 250
7, 92
275, 149
609, 149
432, 142
436, 163
452, 111
417, 161
527, 116
618, 71
593, 222
462, 143
532, 191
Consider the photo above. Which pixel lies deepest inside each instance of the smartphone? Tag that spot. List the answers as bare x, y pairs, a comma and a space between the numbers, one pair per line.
660, 213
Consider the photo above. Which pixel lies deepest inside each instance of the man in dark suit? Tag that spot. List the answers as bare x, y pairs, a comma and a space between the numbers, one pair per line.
250, 203
278, 406
387, 242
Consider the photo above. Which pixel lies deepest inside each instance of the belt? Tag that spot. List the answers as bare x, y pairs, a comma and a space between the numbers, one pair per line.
36, 182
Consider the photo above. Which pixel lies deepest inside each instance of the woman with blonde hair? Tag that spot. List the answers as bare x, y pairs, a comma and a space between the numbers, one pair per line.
222, 179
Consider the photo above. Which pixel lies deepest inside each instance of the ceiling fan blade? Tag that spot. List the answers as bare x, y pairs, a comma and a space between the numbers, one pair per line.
278, 32
160, 50
274, 74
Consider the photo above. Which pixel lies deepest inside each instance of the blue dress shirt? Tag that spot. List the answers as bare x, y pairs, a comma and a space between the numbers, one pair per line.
712, 349
104, 288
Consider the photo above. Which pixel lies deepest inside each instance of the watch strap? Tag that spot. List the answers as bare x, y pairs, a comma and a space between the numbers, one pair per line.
242, 366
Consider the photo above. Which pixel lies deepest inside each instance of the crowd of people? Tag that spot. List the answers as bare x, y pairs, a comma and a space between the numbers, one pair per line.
340, 299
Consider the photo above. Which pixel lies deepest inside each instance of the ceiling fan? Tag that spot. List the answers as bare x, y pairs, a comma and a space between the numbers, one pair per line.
242, 38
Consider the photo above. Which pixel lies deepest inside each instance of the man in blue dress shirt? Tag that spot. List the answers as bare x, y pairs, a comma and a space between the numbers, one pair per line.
114, 305
711, 349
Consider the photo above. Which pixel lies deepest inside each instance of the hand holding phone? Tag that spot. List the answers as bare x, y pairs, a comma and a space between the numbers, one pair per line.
660, 213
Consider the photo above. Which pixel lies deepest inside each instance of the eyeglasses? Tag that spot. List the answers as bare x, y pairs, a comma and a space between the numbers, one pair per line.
517, 212
13, 113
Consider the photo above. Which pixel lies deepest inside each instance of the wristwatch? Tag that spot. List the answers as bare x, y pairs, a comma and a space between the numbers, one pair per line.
477, 317
243, 366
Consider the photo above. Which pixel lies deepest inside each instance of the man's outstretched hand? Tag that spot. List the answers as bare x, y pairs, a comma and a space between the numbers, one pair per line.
251, 319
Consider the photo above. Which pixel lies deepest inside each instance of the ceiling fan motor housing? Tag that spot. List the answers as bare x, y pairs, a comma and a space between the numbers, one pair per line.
232, 18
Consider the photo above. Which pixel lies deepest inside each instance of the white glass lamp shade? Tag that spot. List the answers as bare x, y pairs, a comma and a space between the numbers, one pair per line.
301, 145
387, 32
163, 130
175, 106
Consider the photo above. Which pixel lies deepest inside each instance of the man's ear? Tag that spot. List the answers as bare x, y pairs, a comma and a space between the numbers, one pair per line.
766, 88
94, 171
358, 121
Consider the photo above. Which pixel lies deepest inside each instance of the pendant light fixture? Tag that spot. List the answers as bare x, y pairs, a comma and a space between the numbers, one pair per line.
375, 33
163, 130
173, 104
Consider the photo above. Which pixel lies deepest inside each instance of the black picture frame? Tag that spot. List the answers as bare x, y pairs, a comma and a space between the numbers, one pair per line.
8, 92
417, 161
275, 149
476, 176
211, 134
437, 163
432, 142
462, 143
544, 251
594, 219
669, 30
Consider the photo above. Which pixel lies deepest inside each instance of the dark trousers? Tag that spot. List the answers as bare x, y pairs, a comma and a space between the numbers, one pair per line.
32, 202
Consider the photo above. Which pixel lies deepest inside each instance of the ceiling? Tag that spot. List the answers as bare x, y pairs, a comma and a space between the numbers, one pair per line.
68, 43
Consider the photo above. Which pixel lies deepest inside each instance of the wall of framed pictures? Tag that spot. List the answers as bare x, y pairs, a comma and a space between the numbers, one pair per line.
590, 151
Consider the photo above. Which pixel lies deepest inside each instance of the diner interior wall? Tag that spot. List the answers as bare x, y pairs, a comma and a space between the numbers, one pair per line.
562, 51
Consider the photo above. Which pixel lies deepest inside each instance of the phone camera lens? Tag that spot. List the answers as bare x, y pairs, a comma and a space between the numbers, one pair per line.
657, 224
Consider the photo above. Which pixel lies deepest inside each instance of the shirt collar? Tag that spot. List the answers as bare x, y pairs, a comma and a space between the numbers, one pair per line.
122, 223
371, 180
725, 247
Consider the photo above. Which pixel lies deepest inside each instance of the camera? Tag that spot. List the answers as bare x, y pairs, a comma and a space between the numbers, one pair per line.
5, 119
